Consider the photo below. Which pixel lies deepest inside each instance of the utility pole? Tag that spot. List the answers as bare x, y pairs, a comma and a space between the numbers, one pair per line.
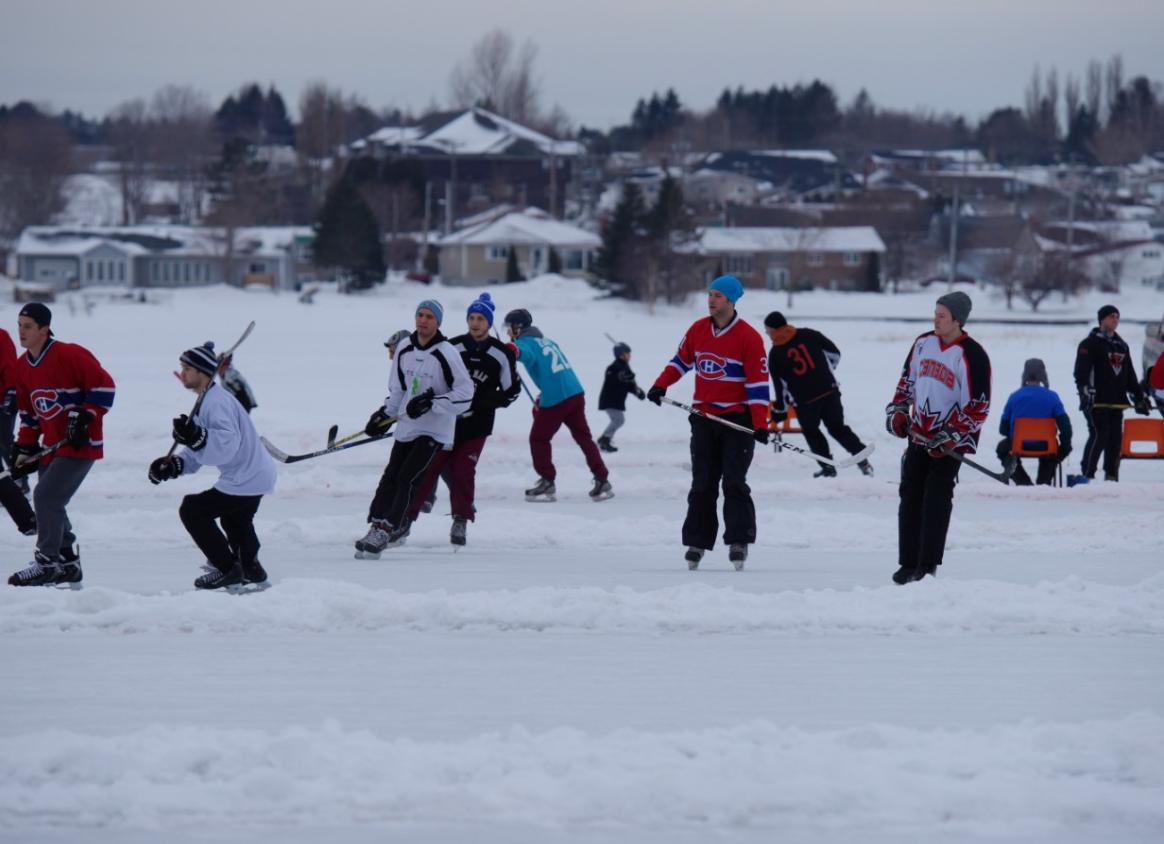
954, 228
553, 182
427, 222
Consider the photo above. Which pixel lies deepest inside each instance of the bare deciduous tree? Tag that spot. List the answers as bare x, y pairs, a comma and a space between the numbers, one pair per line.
499, 76
34, 163
182, 143
132, 139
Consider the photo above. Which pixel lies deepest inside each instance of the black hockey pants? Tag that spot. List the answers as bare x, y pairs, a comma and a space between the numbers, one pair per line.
720, 454
403, 477
236, 513
1105, 432
829, 411
923, 515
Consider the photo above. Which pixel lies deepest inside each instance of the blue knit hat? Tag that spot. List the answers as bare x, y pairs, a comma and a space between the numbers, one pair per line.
201, 358
483, 305
729, 286
434, 306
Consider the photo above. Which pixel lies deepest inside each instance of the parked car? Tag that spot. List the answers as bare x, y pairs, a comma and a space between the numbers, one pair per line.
1153, 343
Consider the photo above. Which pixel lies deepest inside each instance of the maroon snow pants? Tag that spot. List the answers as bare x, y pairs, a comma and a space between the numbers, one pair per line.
547, 421
459, 469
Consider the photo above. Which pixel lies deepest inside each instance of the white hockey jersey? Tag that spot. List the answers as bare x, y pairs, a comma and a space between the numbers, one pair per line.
948, 388
414, 370
232, 444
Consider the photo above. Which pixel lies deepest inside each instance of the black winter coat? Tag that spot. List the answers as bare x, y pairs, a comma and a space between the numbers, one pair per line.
1105, 363
493, 368
618, 382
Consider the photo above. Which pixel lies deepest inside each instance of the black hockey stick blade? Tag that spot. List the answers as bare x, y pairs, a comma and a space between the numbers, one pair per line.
1002, 477
332, 432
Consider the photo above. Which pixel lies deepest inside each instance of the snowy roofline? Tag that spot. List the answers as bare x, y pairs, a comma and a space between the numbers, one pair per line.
783, 239
467, 134
531, 226
192, 240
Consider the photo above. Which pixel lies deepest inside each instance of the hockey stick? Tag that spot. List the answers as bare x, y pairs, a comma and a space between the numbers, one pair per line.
223, 360
1002, 477
528, 394
44, 452
283, 457
332, 442
851, 460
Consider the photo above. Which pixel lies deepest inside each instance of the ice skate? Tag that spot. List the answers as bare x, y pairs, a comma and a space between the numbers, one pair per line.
219, 579
825, 472
693, 556
866, 468
543, 490
253, 574
601, 490
457, 533
604, 444
373, 542
45, 572
738, 554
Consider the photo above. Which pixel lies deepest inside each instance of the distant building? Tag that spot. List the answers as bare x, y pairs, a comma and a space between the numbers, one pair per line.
70, 257
834, 258
479, 254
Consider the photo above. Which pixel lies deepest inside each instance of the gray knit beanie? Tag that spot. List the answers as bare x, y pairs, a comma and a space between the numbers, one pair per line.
958, 304
1034, 370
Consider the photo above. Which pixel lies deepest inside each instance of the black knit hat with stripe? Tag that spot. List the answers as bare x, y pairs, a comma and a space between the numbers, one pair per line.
201, 358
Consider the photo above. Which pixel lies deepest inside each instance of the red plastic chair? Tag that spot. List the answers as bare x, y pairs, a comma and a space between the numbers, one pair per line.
1036, 438
1143, 431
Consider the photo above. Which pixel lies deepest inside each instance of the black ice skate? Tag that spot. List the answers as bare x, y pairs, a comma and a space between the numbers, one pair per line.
825, 472
457, 533
866, 468
693, 556
601, 490
604, 444
544, 490
254, 574
45, 572
738, 553
219, 579
380, 536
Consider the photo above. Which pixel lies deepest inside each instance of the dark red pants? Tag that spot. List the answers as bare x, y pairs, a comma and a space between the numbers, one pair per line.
459, 469
547, 421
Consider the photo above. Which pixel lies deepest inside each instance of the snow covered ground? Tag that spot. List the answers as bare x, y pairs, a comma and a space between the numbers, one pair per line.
564, 677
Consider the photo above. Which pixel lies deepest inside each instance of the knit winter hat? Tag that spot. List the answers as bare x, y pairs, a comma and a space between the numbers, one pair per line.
729, 286
437, 309
483, 305
201, 358
958, 304
1035, 370
775, 320
1104, 312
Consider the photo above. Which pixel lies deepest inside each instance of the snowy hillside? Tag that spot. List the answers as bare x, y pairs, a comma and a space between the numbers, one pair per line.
564, 677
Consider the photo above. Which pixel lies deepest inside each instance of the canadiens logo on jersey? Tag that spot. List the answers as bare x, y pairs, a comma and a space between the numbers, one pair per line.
710, 366
1116, 359
46, 403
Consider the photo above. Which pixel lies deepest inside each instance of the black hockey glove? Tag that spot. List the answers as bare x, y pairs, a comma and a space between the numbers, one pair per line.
655, 394
165, 469
1064, 450
639, 394
379, 423
77, 427
189, 433
1142, 406
21, 462
778, 416
897, 420
935, 444
1087, 399
760, 435
421, 404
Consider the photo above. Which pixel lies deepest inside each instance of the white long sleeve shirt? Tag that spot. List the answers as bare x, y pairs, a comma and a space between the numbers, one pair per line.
232, 444
414, 370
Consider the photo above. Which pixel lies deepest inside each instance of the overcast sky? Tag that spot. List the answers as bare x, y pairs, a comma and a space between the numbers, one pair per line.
596, 57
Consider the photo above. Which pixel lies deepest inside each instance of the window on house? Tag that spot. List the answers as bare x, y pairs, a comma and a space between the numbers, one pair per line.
89, 270
816, 259
121, 270
154, 271
101, 271
497, 253
186, 272
574, 260
739, 264
1151, 253
852, 259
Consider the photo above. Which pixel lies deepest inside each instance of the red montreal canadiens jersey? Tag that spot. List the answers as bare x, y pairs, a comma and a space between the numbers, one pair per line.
63, 377
731, 369
948, 386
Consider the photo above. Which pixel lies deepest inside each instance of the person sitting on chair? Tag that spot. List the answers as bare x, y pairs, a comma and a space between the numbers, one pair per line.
1034, 400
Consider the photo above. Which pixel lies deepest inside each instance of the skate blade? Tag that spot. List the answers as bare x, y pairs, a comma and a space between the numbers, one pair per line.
367, 555
246, 588
739, 564
693, 565
541, 499
72, 587
602, 497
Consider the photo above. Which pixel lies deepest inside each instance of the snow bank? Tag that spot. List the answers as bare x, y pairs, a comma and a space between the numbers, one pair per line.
1069, 607
1035, 777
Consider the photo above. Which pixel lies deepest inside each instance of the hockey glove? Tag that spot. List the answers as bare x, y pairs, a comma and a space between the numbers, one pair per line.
379, 423
22, 462
1087, 399
934, 444
1064, 450
419, 405
639, 394
77, 427
165, 469
1142, 406
897, 420
189, 433
655, 394
778, 416
760, 435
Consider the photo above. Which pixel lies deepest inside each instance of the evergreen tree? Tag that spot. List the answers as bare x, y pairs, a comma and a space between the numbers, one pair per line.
512, 271
616, 258
347, 236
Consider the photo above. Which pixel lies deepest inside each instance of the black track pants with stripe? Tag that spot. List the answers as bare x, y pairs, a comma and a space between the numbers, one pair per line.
403, 477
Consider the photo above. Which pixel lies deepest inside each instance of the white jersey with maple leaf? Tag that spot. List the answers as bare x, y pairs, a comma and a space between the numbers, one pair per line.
947, 387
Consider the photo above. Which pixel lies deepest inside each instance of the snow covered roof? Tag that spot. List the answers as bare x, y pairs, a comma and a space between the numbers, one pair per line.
820, 239
532, 226
474, 131
168, 240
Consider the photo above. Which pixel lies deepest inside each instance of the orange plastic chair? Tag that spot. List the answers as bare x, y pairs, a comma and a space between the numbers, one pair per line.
1036, 438
788, 426
1143, 431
